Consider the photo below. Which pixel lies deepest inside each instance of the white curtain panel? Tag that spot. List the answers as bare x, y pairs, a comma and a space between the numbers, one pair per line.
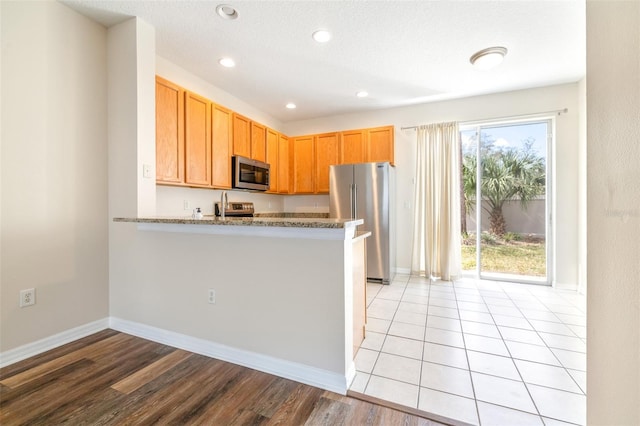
436, 236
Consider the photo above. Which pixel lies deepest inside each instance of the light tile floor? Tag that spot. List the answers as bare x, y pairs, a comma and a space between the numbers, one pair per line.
480, 352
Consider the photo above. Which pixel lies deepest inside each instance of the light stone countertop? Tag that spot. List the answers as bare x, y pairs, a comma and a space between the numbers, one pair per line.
293, 214
279, 222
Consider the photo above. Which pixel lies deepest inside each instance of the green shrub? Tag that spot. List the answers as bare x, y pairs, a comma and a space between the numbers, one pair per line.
511, 236
488, 238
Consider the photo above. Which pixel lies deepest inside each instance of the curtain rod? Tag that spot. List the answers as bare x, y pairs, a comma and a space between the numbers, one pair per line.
511, 117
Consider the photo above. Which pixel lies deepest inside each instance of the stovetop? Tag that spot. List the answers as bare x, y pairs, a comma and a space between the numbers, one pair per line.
236, 209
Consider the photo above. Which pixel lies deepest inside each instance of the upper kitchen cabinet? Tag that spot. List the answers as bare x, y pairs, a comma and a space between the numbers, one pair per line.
302, 165
353, 147
241, 135
221, 146
380, 144
273, 140
197, 145
327, 147
169, 132
258, 142
283, 164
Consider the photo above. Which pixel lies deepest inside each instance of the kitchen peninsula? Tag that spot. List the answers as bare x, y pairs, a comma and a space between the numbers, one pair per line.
284, 295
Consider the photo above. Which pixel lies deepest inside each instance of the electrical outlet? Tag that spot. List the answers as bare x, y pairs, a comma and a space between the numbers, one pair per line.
185, 205
212, 296
146, 171
27, 297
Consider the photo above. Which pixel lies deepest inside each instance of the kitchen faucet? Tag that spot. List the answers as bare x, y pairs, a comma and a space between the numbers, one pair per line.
224, 203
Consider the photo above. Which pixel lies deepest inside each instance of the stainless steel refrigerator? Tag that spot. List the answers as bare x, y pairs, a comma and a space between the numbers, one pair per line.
366, 191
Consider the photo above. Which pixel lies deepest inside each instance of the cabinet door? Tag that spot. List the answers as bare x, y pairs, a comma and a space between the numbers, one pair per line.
352, 147
169, 132
258, 142
283, 164
302, 162
273, 139
380, 146
241, 135
221, 146
197, 140
327, 147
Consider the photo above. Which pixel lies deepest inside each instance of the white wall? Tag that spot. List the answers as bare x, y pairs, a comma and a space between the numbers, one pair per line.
306, 203
171, 200
613, 212
296, 313
471, 109
582, 188
54, 171
131, 112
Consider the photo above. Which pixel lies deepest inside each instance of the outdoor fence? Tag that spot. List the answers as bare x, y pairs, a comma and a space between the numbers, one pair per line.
519, 220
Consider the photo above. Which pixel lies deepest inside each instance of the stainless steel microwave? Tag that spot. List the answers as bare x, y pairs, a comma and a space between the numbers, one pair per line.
249, 174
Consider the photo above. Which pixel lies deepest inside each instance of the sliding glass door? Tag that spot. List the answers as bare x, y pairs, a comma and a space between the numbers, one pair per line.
506, 212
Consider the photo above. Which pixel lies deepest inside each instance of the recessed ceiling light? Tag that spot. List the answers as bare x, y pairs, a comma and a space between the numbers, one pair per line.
227, 62
227, 12
488, 58
291, 105
362, 94
321, 36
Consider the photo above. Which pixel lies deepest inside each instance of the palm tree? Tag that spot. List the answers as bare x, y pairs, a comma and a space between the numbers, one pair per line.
507, 174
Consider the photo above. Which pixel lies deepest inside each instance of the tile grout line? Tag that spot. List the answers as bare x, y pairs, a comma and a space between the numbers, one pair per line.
386, 334
547, 346
483, 297
424, 339
466, 355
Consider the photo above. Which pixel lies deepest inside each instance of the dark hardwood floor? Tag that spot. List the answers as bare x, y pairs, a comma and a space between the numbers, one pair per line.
111, 378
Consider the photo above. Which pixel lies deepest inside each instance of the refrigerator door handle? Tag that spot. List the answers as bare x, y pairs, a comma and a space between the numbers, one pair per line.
354, 201
351, 201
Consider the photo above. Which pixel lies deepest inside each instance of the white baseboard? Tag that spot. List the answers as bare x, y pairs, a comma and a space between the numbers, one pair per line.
31, 349
565, 286
312, 376
404, 271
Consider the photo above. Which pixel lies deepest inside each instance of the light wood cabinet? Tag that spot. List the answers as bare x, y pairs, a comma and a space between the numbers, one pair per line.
352, 147
283, 164
302, 165
347, 147
241, 135
221, 146
273, 140
197, 145
196, 139
367, 145
169, 132
258, 142
327, 147
380, 144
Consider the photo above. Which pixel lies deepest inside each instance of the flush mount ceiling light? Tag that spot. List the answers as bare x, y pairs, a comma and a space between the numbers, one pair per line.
488, 58
226, 12
291, 105
321, 36
227, 62
362, 94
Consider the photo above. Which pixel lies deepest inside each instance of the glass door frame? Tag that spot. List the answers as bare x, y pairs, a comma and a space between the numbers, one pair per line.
549, 198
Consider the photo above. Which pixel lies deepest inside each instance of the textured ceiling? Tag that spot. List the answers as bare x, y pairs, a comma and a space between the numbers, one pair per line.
401, 52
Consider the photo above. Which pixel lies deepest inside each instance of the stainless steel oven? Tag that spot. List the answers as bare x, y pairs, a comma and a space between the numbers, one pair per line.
249, 174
